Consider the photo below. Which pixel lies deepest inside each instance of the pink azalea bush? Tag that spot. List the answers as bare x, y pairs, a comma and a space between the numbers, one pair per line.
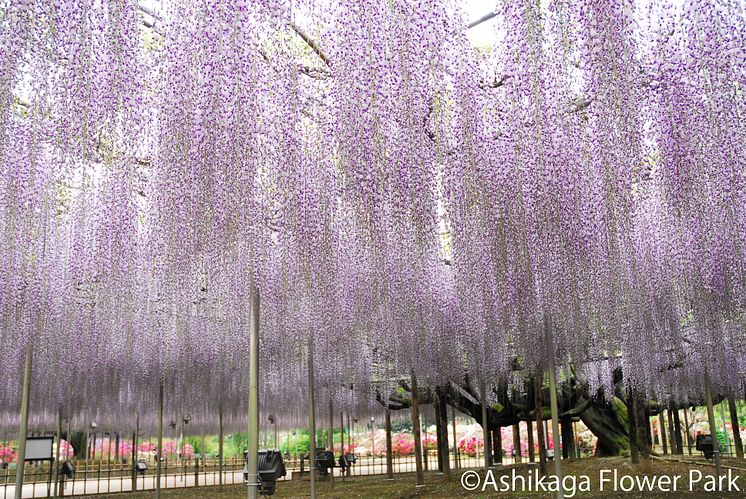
402, 444
7, 455
187, 451
429, 442
469, 444
146, 447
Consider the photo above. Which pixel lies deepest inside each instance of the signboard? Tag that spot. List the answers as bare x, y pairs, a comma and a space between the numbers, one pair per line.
39, 448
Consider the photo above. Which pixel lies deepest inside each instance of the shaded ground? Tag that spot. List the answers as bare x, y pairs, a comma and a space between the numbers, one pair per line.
403, 486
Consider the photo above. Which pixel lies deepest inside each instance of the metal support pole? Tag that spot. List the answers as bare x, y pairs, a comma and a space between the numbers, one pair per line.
252, 460
311, 419
203, 455
737, 443
485, 426
134, 452
220, 446
342, 429
711, 420
23, 430
555, 412
686, 429
331, 436
67, 439
58, 438
159, 450
416, 431
455, 442
389, 447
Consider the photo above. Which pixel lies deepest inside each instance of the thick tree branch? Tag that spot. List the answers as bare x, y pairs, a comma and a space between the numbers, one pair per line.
311, 43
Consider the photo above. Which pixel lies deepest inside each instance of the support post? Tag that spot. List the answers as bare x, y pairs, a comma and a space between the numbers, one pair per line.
23, 430
58, 441
438, 436
311, 418
677, 429
443, 437
389, 447
568, 438
516, 443
634, 450
134, 452
497, 445
159, 450
664, 436
485, 426
425, 453
203, 450
686, 429
331, 436
67, 439
252, 459
539, 418
555, 412
671, 431
416, 431
530, 430
734, 424
220, 446
711, 421
456, 451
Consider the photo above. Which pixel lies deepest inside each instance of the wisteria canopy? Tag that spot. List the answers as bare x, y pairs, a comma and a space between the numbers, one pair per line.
413, 203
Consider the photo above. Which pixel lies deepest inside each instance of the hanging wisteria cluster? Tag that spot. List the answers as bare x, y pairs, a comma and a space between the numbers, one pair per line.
403, 201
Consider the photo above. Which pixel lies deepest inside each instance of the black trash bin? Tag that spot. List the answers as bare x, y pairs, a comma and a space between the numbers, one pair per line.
67, 469
705, 445
270, 468
324, 461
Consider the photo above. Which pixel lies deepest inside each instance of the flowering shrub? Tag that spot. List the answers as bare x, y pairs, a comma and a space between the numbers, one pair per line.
146, 447
7, 455
429, 442
470, 444
187, 451
402, 444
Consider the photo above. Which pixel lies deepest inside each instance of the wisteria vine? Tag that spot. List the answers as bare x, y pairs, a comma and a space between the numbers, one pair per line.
413, 203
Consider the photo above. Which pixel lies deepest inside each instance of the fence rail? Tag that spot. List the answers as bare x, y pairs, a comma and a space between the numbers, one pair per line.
111, 477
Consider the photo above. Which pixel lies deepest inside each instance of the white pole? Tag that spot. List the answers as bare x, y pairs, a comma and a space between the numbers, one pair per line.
252, 460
